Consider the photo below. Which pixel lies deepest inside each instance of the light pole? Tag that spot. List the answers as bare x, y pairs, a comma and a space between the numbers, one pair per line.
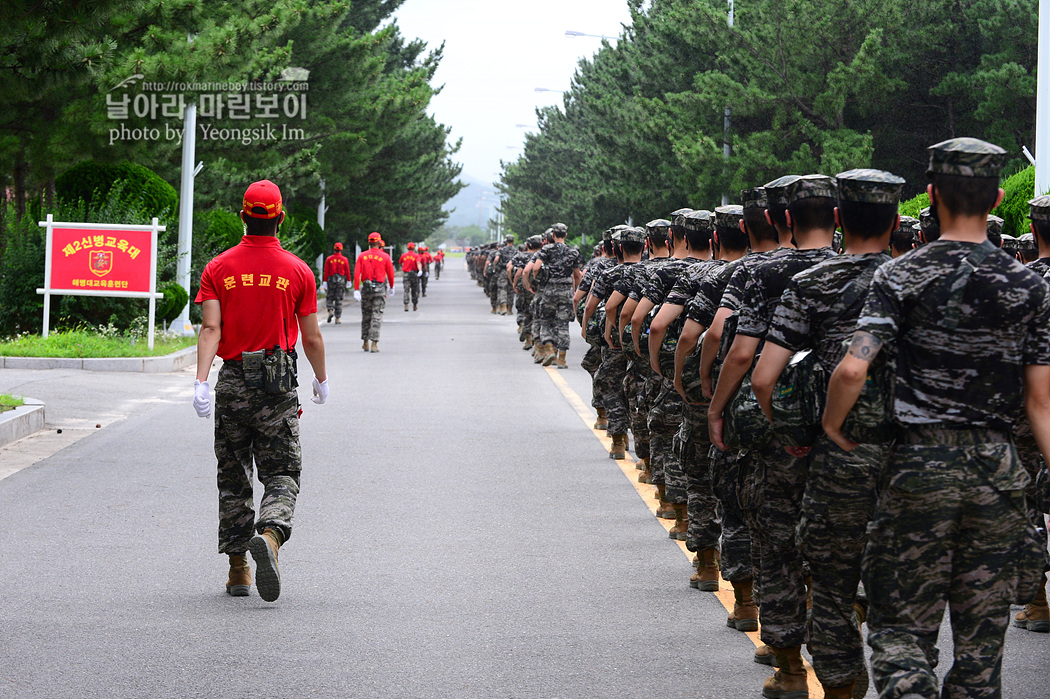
1042, 103
570, 32
727, 123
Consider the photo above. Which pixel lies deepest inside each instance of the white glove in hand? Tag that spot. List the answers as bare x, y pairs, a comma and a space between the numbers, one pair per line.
320, 391
202, 398
324, 286
390, 293
357, 296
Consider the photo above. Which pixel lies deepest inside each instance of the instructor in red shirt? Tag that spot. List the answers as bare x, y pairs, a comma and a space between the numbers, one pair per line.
372, 272
255, 298
336, 275
411, 270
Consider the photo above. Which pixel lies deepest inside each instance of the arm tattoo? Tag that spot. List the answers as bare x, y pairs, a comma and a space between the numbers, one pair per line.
864, 346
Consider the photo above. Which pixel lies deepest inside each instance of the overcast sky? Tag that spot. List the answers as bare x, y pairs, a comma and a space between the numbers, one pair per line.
497, 52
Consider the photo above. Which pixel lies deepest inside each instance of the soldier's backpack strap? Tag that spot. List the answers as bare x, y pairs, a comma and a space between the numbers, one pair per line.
956, 285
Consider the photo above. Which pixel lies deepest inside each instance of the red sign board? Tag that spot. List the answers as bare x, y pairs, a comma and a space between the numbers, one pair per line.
94, 259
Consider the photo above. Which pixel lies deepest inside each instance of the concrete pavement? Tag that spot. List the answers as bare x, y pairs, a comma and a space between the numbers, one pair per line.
460, 533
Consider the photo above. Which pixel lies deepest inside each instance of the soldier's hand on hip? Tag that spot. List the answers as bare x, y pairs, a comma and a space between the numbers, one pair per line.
320, 391
202, 398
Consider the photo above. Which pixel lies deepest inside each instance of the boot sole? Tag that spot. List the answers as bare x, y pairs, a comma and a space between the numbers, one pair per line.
237, 590
746, 625
267, 574
1037, 626
778, 694
679, 537
769, 660
709, 586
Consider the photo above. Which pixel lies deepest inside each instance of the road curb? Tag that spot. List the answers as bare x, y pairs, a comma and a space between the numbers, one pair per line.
149, 365
22, 421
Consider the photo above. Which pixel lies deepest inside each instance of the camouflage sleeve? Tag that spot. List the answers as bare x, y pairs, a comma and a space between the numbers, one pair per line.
883, 309
708, 296
790, 327
1037, 341
735, 289
753, 315
656, 285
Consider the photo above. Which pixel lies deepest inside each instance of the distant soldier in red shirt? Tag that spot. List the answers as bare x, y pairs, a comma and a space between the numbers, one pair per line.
372, 272
411, 270
426, 259
439, 262
336, 274
256, 297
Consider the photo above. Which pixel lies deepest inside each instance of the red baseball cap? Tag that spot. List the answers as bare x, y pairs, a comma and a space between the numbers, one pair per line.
262, 200
411, 246
424, 247
374, 237
338, 246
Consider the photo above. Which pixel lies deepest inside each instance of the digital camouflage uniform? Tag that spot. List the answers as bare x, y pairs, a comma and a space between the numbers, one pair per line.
252, 424
592, 359
841, 487
950, 525
504, 292
333, 299
780, 477
555, 300
373, 303
410, 280
517, 263
638, 374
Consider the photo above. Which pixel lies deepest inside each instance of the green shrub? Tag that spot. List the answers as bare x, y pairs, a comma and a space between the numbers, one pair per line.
91, 182
913, 206
175, 299
220, 229
1018, 190
21, 274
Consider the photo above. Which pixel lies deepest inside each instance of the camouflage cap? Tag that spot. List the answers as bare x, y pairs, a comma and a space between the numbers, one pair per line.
657, 223
559, 228
678, 212
907, 222
631, 234
754, 198
777, 190
1009, 243
811, 186
534, 239
995, 225
927, 222
729, 216
966, 157
869, 186
1039, 208
699, 220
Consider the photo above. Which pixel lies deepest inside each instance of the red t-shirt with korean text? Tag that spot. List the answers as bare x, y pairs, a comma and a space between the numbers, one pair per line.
409, 261
373, 265
336, 264
261, 289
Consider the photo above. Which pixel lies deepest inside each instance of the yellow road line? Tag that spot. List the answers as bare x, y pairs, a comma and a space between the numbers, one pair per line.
648, 495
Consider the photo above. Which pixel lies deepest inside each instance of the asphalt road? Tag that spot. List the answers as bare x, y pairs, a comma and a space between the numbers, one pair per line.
460, 533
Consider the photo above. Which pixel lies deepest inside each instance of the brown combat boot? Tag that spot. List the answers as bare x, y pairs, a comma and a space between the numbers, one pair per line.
745, 611
602, 423
664, 510
838, 692
415, 306
646, 476
542, 350
643, 463
364, 345
552, 355
338, 321
528, 341
764, 655
263, 548
681, 522
1036, 614
375, 346
240, 579
562, 364
406, 308
706, 576
619, 447
789, 682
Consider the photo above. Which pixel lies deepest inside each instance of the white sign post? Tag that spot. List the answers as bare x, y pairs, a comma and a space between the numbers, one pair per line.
97, 273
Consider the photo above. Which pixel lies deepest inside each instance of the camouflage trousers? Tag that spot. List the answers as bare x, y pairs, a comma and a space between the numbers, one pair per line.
525, 299
705, 523
556, 312
519, 305
948, 526
504, 292
333, 299
608, 383
254, 426
423, 279
638, 406
652, 386
492, 288
836, 507
665, 419
1033, 463
727, 470
534, 306
779, 482
411, 284
592, 360
373, 301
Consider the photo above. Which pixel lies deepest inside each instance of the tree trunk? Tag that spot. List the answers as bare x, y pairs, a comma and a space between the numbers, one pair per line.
20, 186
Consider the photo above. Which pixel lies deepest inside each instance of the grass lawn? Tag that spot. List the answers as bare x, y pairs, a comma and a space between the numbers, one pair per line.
9, 402
81, 344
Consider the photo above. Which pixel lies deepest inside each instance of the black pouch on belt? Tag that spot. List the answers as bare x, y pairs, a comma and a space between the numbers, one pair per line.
253, 368
279, 371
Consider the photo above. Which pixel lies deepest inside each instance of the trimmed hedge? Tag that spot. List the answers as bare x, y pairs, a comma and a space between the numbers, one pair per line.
92, 181
1018, 190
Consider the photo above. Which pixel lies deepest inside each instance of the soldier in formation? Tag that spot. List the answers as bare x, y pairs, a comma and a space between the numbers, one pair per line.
373, 271
411, 270
859, 409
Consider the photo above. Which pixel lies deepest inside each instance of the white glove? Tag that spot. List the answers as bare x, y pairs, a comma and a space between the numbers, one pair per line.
390, 293
324, 286
357, 296
320, 391
202, 398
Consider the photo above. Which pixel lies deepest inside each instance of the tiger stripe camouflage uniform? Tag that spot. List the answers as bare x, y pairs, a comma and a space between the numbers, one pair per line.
841, 487
504, 292
639, 377
517, 264
952, 502
592, 359
780, 477
560, 262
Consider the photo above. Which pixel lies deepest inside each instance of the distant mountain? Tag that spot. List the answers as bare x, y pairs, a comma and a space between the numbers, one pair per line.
464, 206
